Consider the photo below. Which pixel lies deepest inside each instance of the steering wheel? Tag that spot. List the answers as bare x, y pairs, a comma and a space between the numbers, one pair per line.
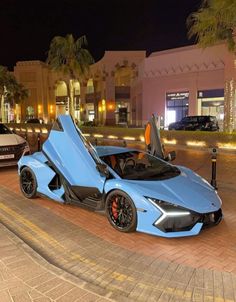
129, 160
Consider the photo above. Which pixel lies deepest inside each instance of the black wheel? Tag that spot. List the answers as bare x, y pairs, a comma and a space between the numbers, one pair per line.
121, 211
28, 183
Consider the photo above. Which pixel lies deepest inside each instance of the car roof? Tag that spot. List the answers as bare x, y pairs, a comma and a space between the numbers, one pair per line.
199, 116
109, 150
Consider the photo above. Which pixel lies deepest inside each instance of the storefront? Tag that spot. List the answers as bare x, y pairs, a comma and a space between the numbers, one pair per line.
122, 113
90, 112
211, 102
177, 104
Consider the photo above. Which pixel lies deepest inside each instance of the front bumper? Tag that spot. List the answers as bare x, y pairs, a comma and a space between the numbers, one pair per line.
186, 223
9, 155
175, 227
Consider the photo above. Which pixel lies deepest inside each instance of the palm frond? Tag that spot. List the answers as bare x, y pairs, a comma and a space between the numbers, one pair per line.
213, 22
68, 56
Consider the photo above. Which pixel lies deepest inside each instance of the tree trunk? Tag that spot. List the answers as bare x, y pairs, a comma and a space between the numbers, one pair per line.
230, 105
72, 95
230, 93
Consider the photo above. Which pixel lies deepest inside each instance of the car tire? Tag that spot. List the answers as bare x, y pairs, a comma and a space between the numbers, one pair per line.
28, 183
121, 211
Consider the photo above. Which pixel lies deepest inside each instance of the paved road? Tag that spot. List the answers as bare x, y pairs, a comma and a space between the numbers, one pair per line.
136, 266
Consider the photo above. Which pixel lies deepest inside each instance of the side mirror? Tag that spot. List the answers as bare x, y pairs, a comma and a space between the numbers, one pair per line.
171, 156
103, 170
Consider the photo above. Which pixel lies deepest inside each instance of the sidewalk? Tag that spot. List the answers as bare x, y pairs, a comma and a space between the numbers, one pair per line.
26, 277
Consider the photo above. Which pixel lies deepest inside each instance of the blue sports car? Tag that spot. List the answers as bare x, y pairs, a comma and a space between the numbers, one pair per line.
138, 191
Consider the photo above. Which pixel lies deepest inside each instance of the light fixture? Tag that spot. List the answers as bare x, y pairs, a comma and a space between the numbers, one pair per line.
51, 109
44, 130
195, 143
129, 138
169, 142
39, 109
98, 135
112, 137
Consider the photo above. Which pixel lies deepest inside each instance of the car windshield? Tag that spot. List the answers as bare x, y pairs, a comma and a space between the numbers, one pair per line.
136, 165
4, 129
190, 119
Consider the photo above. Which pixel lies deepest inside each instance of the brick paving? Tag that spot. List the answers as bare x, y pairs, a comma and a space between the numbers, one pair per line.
27, 277
133, 266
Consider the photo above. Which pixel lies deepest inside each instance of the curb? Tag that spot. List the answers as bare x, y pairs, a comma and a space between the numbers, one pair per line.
76, 281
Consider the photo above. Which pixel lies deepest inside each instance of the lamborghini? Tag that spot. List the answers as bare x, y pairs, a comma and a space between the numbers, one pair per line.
136, 190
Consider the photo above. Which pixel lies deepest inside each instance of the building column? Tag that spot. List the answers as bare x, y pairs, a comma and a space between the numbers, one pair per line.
193, 103
110, 99
83, 102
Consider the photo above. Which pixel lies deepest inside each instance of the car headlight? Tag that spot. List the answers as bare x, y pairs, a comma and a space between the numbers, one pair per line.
168, 208
173, 217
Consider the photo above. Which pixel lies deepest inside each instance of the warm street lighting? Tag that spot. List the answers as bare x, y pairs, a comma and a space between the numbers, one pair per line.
196, 143
51, 109
39, 109
169, 142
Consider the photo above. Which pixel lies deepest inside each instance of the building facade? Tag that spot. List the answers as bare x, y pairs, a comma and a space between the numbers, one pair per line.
185, 81
126, 87
106, 95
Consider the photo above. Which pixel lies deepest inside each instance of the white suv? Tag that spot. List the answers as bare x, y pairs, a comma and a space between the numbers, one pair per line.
12, 147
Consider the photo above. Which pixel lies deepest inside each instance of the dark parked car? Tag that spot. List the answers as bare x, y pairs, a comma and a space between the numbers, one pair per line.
197, 122
33, 121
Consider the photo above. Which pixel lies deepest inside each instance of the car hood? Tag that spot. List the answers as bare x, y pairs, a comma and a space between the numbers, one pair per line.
188, 190
175, 123
10, 139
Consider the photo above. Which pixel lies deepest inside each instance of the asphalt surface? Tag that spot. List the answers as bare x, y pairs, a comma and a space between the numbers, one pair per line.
130, 267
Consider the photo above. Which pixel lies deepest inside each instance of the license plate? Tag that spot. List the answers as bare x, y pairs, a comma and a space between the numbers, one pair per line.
7, 156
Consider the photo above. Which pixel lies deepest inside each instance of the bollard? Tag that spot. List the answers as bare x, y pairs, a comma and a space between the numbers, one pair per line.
39, 142
213, 167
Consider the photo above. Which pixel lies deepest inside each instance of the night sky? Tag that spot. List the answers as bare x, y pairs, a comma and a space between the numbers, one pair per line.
27, 27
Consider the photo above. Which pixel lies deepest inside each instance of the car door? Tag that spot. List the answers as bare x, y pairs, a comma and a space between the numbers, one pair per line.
74, 159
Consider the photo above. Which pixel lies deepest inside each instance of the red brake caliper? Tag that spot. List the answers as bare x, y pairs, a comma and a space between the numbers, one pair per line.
114, 208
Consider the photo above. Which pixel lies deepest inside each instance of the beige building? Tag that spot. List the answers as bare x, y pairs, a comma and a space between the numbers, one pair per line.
106, 95
126, 87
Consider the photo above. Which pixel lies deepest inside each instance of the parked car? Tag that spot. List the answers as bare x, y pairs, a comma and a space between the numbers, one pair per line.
136, 190
12, 146
33, 121
196, 122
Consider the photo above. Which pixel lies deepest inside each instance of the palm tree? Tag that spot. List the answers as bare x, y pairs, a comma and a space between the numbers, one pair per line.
3, 82
68, 56
214, 22
10, 89
17, 93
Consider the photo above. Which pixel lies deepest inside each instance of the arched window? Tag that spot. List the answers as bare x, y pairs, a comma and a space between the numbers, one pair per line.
90, 86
